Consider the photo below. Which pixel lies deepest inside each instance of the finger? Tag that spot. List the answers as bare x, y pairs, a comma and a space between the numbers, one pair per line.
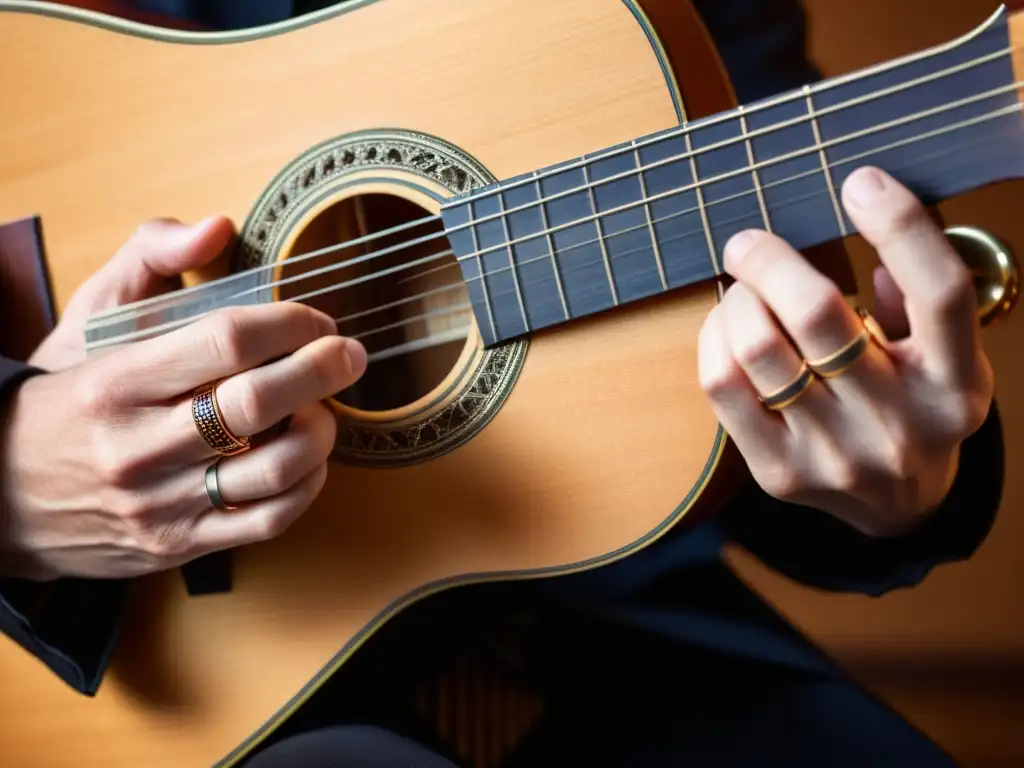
936, 284
158, 250
217, 346
258, 521
167, 247
889, 308
256, 400
756, 431
766, 356
808, 305
276, 466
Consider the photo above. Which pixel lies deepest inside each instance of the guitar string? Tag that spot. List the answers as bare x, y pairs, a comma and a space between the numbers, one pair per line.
125, 309
800, 95
810, 117
644, 226
778, 160
135, 335
334, 267
564, 268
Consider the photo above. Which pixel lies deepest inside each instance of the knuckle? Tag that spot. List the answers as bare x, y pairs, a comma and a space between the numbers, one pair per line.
897, 456
953, 296
325, 430
228, 337
251, 403
305, 321
272, 524
762, 344
779, 479
720, 381
846, 477
95, 395
824, 309
113, 466
281, 475
968, 413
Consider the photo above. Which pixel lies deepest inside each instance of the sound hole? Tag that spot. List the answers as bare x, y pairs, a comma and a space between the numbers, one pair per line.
408, 306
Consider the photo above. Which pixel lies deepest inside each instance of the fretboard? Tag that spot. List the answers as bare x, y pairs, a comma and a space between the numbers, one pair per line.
652, 215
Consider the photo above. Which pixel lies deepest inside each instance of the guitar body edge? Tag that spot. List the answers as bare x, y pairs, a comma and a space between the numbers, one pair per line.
591, 440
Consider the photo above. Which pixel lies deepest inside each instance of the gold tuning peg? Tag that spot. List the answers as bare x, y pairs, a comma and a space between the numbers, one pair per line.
994, 267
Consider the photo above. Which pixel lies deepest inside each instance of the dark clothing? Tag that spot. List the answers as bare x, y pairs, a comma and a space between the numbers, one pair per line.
670, 618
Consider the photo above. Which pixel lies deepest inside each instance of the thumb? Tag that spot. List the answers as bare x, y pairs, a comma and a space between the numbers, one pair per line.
152, 260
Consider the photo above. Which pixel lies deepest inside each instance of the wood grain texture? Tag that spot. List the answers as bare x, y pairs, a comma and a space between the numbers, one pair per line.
104, 130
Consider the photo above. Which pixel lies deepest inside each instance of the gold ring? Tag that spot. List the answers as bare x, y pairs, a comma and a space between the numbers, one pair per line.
213, 488
210, 423
785, 396
843, 359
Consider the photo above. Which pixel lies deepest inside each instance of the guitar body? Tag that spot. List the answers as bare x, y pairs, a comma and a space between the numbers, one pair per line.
540, 457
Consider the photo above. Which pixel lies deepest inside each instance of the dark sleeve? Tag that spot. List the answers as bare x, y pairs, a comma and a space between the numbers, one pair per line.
816, 549
70, 625
762, 44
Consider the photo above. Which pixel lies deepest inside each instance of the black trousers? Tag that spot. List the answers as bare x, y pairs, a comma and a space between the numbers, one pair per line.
614, 697
831, 726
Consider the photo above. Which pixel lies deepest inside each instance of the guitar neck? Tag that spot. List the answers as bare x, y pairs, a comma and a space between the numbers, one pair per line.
632, 221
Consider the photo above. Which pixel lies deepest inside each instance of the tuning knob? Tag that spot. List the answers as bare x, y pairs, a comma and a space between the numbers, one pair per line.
994, 267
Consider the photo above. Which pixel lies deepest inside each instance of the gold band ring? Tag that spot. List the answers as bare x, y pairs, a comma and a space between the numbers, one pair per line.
213, 488
790, 393
843, 359
210, 423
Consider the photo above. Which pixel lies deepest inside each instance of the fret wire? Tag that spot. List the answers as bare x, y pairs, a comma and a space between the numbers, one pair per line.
779, 182
766, 131
512, 261
685, 235
483, 275
792, 155
551, 248
753, 172
600, 237
650, 220
853, 158
823, 86
824, 164
116, 312
138, 306
802, 198
698, 185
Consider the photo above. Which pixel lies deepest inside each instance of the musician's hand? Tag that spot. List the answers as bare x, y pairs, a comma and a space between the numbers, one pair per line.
103, 466
876, 445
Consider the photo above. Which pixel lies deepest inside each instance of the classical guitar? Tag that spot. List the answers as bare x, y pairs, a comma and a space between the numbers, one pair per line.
519, 206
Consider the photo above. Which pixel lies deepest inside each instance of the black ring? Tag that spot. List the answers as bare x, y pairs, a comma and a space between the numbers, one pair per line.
843, 359
781, 398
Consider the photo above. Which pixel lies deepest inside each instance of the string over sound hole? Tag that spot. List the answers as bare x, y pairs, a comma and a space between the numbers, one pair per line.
395, 286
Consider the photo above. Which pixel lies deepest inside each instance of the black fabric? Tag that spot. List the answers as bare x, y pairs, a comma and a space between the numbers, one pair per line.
676, 596
352, 746
613, 698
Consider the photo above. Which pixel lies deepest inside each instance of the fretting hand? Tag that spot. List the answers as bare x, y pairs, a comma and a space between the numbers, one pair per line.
104, 467
875, 441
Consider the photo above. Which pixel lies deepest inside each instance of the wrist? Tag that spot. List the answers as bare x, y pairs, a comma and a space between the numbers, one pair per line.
15, 560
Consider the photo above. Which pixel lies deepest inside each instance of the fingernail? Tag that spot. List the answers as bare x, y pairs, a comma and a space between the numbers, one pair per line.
738, 247
864, 187
356, 356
